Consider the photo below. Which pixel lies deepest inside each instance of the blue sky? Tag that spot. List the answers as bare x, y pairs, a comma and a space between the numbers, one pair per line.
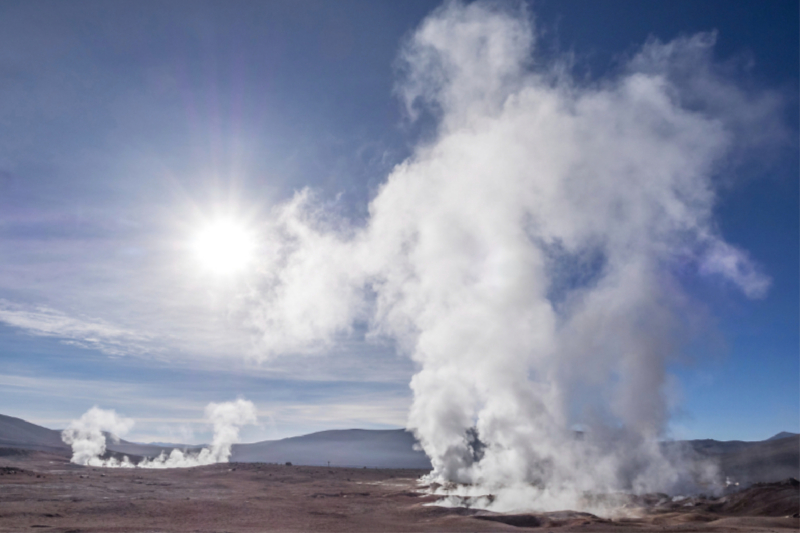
125, 127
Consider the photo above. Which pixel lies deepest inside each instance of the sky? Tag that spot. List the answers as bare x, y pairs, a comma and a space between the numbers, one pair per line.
126, 129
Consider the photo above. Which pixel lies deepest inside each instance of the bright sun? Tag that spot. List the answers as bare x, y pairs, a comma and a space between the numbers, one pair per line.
224, 247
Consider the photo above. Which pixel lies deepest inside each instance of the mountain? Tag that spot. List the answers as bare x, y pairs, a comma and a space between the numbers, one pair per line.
393, 448
783, 435
351, 447
172, 445
766, 461
715, 447
745, 462
17, 433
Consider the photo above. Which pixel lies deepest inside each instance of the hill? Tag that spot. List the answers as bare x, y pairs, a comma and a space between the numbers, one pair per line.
783, 435
17, 433
20, 434
392, 448
766, 461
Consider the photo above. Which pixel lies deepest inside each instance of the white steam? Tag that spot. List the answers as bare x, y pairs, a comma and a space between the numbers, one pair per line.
86, 436
532, 256
227, 418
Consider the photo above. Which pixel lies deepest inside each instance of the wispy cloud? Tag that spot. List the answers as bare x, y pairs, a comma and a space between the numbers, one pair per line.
384, 411
100, 390
85, 332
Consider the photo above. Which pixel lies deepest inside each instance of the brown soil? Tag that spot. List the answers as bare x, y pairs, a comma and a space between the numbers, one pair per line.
44, 492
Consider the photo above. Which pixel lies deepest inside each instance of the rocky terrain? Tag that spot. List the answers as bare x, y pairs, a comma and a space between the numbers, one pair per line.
42, 491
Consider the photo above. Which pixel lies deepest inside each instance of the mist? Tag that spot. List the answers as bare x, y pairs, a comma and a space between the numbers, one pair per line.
87, 436
532, 256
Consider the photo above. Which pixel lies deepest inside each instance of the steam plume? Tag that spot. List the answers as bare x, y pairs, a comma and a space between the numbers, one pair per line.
88, 441
532, 257
227, 418
87, 438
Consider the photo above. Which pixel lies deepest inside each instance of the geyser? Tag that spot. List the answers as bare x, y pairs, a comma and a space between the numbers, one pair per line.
532, 256
87, 438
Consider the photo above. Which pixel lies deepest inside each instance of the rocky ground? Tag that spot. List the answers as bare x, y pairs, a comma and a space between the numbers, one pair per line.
44, 492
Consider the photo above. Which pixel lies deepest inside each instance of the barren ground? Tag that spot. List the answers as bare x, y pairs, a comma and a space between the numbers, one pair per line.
44, 492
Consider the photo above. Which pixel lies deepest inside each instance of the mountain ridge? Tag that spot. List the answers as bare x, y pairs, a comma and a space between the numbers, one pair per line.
783, 435
772, 459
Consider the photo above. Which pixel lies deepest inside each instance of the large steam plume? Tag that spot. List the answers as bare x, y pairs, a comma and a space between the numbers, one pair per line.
87, 436
532, 256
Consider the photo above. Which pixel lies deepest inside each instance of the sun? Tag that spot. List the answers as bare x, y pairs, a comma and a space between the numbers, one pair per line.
224, 246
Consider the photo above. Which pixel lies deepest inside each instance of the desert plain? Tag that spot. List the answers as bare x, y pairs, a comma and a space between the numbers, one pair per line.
41, 491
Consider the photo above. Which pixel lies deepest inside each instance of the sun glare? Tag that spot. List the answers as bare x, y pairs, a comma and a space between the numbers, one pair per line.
224, 247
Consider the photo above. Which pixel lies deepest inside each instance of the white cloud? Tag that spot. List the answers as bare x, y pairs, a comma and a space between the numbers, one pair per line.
91, 333
735, 265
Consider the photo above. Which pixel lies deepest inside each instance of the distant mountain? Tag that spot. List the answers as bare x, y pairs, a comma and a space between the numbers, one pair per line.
171, 445
352, 447
714, 447
393, 448
765, 461
783, 435
745, 462
17, 433
349, 447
